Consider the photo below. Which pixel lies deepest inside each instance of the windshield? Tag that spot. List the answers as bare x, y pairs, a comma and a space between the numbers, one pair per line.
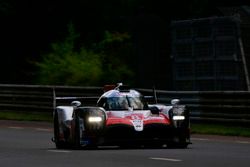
123, 103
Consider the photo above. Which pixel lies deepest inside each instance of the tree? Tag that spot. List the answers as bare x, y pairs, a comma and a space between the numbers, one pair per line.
117, 52
66, 65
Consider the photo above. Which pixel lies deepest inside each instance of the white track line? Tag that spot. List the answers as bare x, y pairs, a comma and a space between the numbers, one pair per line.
221, 140
15, 127
200, 139
43, 129
37, 129
59, 151
243, 142
165, 159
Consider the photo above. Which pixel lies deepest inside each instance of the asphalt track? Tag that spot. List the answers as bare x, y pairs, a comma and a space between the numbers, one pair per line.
28, 145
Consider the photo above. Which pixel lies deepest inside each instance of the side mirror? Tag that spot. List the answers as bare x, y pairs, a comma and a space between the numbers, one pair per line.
75, 103
154, 110
175, 101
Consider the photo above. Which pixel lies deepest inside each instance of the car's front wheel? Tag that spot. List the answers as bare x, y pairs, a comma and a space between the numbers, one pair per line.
59, 144
77, 138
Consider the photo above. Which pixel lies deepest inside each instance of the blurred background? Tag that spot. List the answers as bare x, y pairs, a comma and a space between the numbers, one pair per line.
172, 45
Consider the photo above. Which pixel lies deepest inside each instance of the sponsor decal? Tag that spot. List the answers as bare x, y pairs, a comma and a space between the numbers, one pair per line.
137, 121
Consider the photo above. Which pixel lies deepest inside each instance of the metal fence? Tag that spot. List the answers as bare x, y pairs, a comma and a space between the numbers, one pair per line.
208, 54
205, 106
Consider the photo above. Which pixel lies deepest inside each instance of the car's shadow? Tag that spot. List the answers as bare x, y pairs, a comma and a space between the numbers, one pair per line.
98, 148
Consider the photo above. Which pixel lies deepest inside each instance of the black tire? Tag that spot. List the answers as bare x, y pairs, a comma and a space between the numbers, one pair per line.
177, 145
127, 146
77, 141
183, 139
180, 144
77, 144
154, 145
59, 144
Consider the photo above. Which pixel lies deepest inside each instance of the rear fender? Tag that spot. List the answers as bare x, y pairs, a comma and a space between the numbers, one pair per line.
95, 112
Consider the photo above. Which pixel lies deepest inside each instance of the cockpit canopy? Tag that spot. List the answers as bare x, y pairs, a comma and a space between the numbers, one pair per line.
116, 100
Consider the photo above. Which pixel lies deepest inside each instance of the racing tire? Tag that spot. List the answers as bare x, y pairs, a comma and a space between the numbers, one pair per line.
129, 146
59, 144
77, 144
77, 141
182, 144
154, 146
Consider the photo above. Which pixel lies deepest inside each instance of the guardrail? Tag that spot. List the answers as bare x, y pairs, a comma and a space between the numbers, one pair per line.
227, 107
38, 98
217, 106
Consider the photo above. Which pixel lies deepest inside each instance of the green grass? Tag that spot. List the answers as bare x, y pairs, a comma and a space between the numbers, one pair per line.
220, 130
26, 116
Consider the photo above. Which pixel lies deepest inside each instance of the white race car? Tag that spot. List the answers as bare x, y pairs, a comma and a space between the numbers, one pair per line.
121, 117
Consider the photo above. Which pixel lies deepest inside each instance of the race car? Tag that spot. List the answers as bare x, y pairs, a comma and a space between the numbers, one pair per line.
121, 117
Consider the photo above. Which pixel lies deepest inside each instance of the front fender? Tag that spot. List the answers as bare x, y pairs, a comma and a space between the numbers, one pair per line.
85, 113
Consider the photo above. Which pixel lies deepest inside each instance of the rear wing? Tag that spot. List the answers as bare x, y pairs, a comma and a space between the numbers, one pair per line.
66, 100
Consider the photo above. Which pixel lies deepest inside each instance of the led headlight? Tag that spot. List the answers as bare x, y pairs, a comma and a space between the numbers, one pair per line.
178, 113
94, 119
178, 110
178, 117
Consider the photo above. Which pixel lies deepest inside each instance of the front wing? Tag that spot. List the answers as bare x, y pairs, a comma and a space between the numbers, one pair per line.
121, 134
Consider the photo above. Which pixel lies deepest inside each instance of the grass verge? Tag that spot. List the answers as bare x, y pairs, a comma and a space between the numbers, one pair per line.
217, 129
26, 116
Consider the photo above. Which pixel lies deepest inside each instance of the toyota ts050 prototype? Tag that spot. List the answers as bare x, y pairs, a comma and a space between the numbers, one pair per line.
122, 117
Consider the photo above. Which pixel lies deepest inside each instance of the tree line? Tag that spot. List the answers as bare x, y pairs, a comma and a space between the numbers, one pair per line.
40, 39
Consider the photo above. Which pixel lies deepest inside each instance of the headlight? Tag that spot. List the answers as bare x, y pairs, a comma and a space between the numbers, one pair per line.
178, 113
95, 119
178, 110
178, 117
